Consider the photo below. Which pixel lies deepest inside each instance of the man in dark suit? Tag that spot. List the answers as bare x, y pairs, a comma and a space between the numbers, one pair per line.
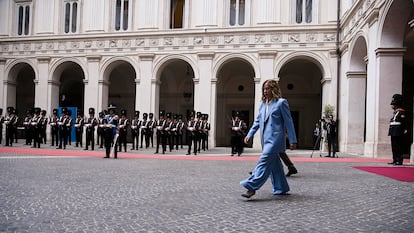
331, 135
90, 124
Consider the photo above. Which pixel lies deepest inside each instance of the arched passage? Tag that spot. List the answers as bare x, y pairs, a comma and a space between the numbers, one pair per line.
176, 87
22, 86
300, 82
71, 90
235, 92
121, 77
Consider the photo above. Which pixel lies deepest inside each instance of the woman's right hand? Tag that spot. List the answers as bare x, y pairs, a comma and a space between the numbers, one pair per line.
246, 140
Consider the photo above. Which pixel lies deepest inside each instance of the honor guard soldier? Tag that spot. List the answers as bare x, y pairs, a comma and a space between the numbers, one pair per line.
54, 127
398, 129
192, 133
180, 128
167, 131
161, 137
69, 126
27, 127
110, 131
35, 125
199, 131
1, 125
145, 130
100, 131
123, 130
205, 132
151, 126
237, 134
44, 120
174, 133
79, 124
10, 121
63, 129
90, 124
331, 135
135, 128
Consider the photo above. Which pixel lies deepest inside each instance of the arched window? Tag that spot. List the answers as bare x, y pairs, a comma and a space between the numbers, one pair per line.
122, 15
23, 18
71, 16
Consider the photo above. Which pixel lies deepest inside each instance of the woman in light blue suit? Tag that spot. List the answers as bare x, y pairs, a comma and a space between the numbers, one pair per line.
273, 120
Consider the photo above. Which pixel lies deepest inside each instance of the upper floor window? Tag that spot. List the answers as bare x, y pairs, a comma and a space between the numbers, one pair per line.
71, 16
122, 15
177, 13
304, 11
238, 12
23, 18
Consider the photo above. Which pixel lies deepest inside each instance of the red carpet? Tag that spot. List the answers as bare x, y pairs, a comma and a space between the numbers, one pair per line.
405, 174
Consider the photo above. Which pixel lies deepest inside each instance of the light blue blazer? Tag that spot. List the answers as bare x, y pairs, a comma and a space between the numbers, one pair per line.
273, 126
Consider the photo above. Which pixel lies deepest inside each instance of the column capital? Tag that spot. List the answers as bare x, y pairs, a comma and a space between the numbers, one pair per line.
267, 54
93, 58
146, 57
43, 59
206, 56
390, 52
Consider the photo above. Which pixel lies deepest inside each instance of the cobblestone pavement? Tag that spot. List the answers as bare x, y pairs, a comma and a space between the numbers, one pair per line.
91, 194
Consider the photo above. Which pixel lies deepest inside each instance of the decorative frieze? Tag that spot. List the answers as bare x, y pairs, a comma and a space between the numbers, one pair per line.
176, 42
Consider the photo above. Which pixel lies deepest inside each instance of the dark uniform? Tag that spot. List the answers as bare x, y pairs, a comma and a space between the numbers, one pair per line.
161, 134
63, 129
145, 130
237, 134
397, 129
79, 123
1, 125
174, 132
35, 125
192, 131
151, 126
90, 124
168, 134
100, 131
205, 128
331, 136
10, 121
123, 130
135, 128
43, 125
69, 127
54, 127
180, 133
27, 127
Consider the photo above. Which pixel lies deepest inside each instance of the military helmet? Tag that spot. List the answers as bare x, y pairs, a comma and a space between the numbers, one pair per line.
123, 112
55, 111
10, 109
151, 115
91, 111
397, 100
145, 115
137, 113
43, 112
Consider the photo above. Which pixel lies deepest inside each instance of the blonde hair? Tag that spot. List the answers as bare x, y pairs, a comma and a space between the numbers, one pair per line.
274, 86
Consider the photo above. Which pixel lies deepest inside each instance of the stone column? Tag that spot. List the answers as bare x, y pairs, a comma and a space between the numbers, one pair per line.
3, 79
145, 92
355, 112
387, 83
42, 95
91, 83
204, 90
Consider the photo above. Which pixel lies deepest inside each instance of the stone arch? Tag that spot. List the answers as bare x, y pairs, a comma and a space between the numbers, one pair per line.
109, 64
318, 60
235, 92
57, 67
166, 60
218, 64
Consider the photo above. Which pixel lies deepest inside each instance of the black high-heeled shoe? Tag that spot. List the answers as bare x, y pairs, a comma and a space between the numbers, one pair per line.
249, 193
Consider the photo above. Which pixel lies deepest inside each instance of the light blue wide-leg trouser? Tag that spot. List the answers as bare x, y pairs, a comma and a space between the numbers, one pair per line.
268, 165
